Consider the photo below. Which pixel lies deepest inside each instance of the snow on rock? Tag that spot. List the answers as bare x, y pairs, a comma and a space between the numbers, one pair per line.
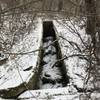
19, 67
71, 44
52, 94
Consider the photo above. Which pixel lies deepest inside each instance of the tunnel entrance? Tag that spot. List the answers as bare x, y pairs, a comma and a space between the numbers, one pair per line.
51, 76
48, 29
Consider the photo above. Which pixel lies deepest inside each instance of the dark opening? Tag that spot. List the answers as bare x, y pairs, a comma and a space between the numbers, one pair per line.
48, 29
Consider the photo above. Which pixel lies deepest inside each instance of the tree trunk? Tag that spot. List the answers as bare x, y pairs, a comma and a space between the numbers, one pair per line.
91, 19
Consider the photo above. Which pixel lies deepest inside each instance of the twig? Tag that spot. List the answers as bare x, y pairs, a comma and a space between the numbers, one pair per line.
73, 55
26, 53
76, 31
71, 42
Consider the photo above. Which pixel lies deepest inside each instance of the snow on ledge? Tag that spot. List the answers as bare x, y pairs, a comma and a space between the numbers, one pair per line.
46, 94
56, 94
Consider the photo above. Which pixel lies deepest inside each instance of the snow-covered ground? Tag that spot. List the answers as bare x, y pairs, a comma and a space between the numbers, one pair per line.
70, 45
14, 69
15, 72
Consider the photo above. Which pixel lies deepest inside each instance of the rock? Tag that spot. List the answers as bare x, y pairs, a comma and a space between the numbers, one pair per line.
47, 80
3, 61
